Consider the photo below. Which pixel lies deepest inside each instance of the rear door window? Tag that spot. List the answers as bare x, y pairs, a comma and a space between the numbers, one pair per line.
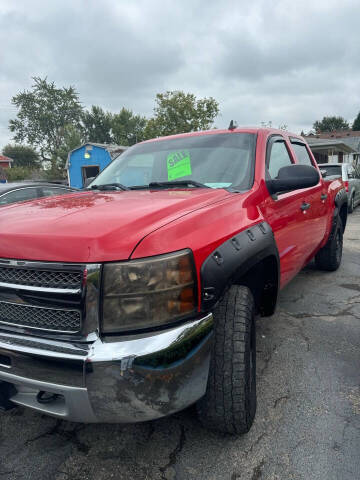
301, 153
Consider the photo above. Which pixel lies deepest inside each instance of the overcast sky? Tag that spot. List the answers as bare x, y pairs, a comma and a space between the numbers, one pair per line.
291, 62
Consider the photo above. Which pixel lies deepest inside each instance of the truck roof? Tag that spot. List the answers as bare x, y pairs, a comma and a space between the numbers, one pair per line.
255, 130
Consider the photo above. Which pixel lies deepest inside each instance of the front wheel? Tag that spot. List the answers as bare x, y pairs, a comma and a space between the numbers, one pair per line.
229, 404
329, 257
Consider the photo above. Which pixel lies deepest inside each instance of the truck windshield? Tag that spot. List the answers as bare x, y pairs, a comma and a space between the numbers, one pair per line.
216, 161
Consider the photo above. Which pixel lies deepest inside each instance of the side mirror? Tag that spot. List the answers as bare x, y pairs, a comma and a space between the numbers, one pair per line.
88, 181
293, 177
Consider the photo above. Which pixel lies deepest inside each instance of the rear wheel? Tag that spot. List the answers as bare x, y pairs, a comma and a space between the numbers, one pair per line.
229, 404
329, 257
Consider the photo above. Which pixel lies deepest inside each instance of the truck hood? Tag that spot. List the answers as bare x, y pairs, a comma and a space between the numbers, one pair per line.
93, 226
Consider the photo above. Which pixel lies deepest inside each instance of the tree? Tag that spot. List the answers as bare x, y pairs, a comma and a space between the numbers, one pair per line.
178, 112
23, 155
128, 128
269, 124
97, 125
72, 138
330, 124
45, 112
123, 128
356, 124
15, 174
3, 174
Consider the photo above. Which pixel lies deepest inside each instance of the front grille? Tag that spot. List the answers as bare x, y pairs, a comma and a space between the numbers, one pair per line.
42, 346
41, 278
51, 319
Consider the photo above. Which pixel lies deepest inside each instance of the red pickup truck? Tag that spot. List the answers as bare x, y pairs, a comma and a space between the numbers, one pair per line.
137, 297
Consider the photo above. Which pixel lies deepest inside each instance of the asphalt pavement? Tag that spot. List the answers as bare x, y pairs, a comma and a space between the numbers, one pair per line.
308, 418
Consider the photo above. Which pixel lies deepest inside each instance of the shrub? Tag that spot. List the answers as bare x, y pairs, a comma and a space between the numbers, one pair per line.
23, 173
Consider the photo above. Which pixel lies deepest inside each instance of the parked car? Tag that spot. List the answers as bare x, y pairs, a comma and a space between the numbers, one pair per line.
22, 191
137, 298
351, 177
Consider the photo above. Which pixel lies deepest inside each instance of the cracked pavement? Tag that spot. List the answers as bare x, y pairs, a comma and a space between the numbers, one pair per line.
308, 419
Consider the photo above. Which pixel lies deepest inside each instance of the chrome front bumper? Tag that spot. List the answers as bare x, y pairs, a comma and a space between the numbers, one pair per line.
124, 379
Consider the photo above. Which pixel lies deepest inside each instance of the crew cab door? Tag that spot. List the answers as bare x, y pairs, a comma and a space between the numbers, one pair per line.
285, 212
316, 217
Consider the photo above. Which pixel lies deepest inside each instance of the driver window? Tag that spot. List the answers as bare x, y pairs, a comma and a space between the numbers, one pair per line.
279, 157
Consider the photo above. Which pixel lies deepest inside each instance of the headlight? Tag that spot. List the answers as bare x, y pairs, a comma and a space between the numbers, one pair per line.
148, 293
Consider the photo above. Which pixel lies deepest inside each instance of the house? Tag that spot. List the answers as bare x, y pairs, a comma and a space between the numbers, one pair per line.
5, 161
335, 147
88, 160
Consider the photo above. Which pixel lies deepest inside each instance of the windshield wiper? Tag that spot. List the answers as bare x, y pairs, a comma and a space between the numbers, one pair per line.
177, 183
109, 186
174, 183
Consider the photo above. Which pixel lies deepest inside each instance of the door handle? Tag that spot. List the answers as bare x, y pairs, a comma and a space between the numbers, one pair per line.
323, 196
305, 206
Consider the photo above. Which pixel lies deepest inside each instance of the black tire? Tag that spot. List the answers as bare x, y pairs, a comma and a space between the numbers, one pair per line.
329, 257
229, 404
351, 204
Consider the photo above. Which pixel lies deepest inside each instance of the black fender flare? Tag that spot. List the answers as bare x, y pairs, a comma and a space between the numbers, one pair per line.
233, 259
341, 199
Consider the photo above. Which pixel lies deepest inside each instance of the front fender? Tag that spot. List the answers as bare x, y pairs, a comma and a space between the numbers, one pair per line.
233, 259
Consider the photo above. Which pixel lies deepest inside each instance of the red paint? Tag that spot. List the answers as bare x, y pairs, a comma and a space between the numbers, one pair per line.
92, 227
112, 226
298, 236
